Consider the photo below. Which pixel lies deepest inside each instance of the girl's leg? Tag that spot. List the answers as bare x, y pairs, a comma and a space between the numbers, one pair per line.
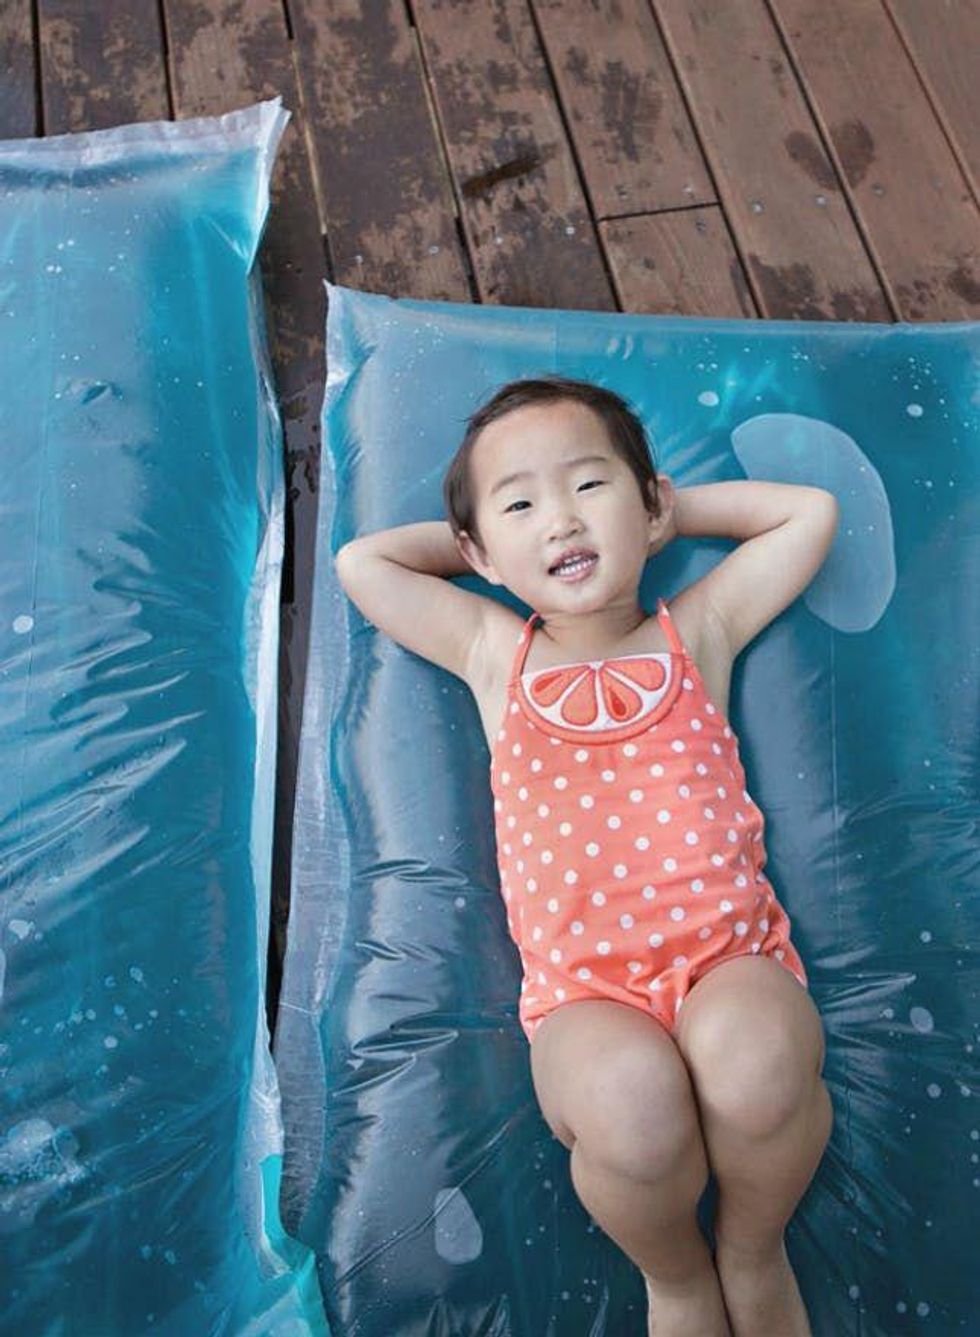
616, 1092
754, 1045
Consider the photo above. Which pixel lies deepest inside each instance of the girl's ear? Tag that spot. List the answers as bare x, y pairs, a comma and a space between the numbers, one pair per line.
474, 554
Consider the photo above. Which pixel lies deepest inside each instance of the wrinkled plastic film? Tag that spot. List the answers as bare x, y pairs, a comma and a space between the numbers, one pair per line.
142, 505
417, 1163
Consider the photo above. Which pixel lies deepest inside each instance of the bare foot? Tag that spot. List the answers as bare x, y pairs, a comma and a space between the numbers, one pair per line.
761, 1293
682, 1311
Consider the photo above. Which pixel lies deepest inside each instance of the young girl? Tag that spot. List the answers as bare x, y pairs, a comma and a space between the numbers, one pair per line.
670, 1025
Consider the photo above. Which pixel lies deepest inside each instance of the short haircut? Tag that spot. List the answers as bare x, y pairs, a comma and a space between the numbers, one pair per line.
624, 432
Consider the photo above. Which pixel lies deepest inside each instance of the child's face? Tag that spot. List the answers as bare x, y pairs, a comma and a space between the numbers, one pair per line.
557, 503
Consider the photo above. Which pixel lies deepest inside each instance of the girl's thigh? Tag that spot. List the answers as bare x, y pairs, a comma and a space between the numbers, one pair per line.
612, 1076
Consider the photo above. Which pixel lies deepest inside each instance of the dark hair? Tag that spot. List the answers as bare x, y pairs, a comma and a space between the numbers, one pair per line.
623, 429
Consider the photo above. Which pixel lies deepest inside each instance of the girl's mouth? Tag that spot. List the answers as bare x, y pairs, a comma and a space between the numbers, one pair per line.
580, 568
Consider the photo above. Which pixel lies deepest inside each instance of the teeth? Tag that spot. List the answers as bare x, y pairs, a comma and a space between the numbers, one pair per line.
576, 564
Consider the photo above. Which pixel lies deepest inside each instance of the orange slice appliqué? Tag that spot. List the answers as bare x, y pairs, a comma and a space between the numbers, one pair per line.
581, 706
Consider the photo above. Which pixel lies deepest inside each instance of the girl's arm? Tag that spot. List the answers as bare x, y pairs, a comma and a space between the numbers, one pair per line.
787, 531
397, 578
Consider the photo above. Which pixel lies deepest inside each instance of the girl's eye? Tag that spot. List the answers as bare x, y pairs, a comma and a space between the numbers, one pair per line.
592, 482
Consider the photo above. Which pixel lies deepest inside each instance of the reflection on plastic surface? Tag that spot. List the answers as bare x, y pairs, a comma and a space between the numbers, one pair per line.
435, 1195
142, 519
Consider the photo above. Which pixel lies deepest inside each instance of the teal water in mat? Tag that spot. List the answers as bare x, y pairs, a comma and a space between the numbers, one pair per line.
417, 1163
142, 529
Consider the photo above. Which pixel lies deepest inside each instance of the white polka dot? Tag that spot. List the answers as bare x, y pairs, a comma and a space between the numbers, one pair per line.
608, 776
546, 856
592, 849
634, 966
721, 791
527, 837
732, 836
516, 749
508, 850
522, 792
678, 746
755, 946
577, 927
536, 764
741, 880
642, 842
779, 954
704, 933
619, 870
709, 813
636, 795
603, 948
626, 921
536, 935
701, 768
697, 885
614, 823
688, 684
656, 940
497, 805
649, 892
584, 973
716, 749
670, 865
571, 877
560, 782
560, 994
656, 769
582, 754
717, 860
587, 801
553, 905
727, 732
725, 907
565, 829
505, 777
531, 884
691, 837
630, 749
663, 816
555, 954
679, 961
677, 913
543, 810
513, 707
598, 898
684, 791
520, 865
555, 742
741, 928
764, 925
655, 985
502, 734
541, 977
739, 817
709, 708
696, 724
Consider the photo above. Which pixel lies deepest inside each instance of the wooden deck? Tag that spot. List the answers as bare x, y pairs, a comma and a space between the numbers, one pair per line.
782, 159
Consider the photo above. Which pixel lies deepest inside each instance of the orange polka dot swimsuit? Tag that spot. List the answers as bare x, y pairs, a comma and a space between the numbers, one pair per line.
630, 852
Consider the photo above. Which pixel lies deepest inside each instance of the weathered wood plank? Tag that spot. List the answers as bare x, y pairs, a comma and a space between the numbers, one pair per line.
101, 65
626, 115
907, 188
19, 111
944, 44
677, 264
528, 228
781, 195
387, 204
224, 56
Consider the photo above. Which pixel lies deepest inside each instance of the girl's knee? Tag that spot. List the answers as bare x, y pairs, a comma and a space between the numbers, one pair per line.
643, 1121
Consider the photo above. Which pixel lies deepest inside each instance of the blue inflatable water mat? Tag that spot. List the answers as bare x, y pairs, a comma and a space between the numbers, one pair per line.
418, 1165
141, 497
